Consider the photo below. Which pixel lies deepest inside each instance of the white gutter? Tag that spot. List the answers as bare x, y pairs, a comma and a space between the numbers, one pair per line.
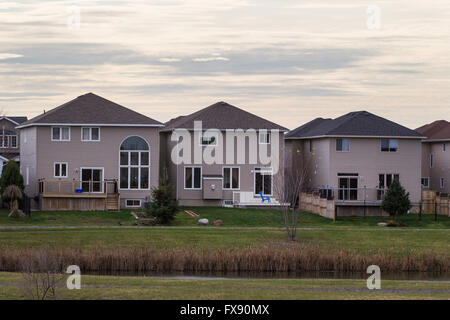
90, 124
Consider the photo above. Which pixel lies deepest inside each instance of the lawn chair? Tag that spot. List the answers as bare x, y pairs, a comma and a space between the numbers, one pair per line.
264, 198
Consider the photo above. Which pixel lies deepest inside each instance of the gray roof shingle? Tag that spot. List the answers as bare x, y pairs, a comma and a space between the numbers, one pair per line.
91, 109
222, 115
358, 123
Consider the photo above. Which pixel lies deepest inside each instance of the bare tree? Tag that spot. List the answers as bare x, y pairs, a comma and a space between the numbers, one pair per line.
42, 273
287, 187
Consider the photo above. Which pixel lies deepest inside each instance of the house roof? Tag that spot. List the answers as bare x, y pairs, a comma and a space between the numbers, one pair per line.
91, 109
358, 123
15, 120
222, 115
437, 130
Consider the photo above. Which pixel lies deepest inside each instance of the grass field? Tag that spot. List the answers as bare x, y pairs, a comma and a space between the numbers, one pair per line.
109, 287
230, 216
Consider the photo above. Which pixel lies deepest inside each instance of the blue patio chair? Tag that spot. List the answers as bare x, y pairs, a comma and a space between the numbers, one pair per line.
264, 198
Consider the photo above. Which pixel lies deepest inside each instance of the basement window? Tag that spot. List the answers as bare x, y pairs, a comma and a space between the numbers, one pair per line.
133, 203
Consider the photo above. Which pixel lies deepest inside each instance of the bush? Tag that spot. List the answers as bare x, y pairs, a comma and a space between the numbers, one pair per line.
396, 200
163, 205
11, 176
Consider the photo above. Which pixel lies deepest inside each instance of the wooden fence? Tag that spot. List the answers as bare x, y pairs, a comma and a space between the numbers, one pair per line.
434, 202
313, 203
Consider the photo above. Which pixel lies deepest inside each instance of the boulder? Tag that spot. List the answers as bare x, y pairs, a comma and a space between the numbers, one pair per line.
218, 223
382, 224
203, 222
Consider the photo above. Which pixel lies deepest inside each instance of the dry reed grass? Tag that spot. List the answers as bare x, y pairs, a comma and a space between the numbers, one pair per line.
275, 257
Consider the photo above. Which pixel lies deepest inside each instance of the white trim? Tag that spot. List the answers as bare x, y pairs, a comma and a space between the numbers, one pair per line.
231, 175
427, 186
352, 136
193, 178
3, 158
335, 142
264, 132
89, 125
60, 133
139, 166
263, 170
5, 117
101, 181
138, 206
212, 178
60, 163
90, 134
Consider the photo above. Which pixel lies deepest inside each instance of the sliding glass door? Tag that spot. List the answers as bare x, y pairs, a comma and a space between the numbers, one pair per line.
92, 179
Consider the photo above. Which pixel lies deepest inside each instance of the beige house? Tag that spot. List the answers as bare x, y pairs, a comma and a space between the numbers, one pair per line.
355, 157
89, 153
436, 156
235, 139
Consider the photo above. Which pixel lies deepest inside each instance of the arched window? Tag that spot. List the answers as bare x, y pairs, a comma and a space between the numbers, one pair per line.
134, 164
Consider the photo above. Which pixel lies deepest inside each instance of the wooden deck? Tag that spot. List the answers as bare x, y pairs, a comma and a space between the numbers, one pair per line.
79, 195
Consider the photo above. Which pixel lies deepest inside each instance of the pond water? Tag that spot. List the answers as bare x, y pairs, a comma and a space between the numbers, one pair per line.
423, 276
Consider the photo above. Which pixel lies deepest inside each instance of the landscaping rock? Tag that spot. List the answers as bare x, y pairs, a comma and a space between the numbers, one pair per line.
147, 221
218, 223
203, 222
382, 224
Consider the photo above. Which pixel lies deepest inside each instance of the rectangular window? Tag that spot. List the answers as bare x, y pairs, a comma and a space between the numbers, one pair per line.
385, 179
342, 144
310, 146
133, 203
192, 177
231, 177
444, 147
92, 179
134, 170
264, 137
425, 181
209, 138
431, 160
90, 134
3, 141
389, 145
263, 181
442, 183
60, 170
13, 141
60, 133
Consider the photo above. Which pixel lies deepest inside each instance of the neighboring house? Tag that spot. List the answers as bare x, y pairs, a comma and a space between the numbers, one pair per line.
436, 156
9, 139
356, 157
90, 153
202, 182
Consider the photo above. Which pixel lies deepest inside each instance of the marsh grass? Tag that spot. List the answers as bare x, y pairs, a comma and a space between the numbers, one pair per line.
272, 257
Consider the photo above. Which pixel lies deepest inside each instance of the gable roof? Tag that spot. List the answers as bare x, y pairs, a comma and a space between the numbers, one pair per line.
222, 115
15, 120
437, 130
91, 109
358, 123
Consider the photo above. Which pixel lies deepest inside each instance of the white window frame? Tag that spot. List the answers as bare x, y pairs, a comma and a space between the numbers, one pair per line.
264, 133
263, 169
193, 178
60, 167
133, 206
2, 142
442, 182
231, 176
101, 182
60, 133
389, 145
90, 134
215, 134
11, 140
343, 145
139, 166
428, 182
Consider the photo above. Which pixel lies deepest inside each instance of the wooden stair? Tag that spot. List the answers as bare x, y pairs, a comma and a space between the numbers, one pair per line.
113, 202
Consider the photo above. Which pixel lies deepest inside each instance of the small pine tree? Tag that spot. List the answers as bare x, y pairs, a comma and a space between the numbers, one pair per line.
11, 176
396, 201
163, 205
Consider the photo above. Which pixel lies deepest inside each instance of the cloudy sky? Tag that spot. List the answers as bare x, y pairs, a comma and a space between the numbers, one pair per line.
286, 60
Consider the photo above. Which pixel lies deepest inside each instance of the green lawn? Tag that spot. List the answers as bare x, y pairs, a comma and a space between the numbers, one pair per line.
109, 287
231, 217
360, 241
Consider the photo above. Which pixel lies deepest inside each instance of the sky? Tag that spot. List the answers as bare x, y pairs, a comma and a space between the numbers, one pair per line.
288, 61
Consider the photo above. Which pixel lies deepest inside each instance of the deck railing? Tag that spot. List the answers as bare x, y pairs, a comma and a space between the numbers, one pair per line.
77, 187
353, 194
